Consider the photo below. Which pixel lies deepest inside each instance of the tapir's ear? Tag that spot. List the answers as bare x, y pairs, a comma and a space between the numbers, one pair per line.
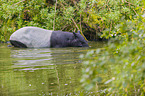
75, 34
79, 32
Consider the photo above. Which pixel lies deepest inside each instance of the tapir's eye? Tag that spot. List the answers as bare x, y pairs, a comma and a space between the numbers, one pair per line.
83, 42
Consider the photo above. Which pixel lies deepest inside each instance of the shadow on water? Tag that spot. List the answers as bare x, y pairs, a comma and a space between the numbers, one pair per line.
45, 71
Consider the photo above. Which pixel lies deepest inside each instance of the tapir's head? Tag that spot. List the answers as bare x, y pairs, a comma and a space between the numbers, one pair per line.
79, 40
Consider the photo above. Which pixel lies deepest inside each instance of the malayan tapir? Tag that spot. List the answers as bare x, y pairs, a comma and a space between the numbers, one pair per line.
34, 37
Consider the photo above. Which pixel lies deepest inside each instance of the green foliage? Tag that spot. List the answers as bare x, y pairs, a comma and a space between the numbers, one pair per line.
111, 12
19, 13
120, 66
90, 16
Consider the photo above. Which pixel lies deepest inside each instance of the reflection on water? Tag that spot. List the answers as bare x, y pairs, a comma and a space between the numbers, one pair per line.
44, 72
31, 59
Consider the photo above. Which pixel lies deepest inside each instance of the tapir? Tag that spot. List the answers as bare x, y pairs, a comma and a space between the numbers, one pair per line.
34, 37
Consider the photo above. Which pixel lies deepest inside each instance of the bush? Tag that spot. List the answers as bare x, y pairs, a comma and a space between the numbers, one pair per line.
91, 17
48, 14
120, 66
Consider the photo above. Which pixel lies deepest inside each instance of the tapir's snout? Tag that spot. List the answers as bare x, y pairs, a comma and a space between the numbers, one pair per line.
85, 45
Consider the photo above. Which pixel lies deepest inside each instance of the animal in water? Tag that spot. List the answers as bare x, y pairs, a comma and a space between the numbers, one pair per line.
34, 37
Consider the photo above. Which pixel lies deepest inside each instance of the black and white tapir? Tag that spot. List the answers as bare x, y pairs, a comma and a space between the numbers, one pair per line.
34, 37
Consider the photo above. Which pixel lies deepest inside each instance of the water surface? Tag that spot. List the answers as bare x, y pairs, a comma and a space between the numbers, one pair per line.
44, 72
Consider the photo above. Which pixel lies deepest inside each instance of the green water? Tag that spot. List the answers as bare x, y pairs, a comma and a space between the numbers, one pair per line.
41, 72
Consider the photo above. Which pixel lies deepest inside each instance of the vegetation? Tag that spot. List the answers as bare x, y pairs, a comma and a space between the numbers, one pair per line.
120, 66
92, 17
63, 15
121, 21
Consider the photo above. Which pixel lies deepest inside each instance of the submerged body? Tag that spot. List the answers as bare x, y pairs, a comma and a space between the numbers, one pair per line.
34, 37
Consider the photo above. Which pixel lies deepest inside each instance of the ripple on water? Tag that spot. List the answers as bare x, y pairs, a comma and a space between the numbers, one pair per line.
45, 71
45, 58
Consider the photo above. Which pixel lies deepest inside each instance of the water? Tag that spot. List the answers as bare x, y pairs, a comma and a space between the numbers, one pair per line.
41, 72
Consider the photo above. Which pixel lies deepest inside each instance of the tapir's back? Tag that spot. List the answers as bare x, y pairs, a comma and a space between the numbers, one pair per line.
31, 37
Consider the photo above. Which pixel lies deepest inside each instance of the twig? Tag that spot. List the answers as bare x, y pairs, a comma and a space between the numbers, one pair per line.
74, 30
132, 5
79, 29
70, 29
108, 6
64, 27
75, 23
135, 12
19, 2
54, 16
81, 22
129, 3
